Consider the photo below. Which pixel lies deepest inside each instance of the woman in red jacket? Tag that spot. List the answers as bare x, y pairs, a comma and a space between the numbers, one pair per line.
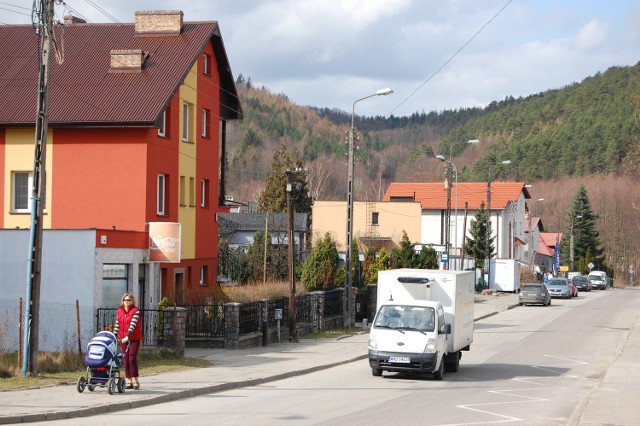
128, 330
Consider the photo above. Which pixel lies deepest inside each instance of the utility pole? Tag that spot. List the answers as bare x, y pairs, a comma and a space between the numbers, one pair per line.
292, 276
38, 195
447, 232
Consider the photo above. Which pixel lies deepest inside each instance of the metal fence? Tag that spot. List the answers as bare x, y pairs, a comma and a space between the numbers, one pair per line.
205, 321
249, 317
333, 303
58, 326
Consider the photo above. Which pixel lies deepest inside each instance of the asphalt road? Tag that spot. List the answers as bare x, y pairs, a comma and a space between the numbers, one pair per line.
531, 365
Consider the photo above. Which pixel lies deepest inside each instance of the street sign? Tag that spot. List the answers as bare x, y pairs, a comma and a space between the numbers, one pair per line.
591, 265
445, 258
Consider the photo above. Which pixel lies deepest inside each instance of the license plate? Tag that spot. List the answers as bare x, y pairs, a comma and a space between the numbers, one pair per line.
400, 359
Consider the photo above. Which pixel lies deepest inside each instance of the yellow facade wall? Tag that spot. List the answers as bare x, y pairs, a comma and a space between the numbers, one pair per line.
187, 165
19, 157
393, 219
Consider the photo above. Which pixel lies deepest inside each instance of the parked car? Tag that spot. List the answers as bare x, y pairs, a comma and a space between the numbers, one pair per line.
581, 282
559, 287
534, 293
598, 280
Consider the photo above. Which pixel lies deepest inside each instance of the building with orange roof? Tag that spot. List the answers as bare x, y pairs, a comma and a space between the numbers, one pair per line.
136, 136
508, 205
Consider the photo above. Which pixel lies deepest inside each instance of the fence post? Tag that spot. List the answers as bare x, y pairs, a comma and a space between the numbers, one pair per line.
232, 325
372, 300
264, 320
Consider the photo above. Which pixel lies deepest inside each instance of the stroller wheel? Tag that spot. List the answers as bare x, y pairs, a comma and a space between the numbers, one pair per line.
121, 385
82, 382
112, 385
91, 387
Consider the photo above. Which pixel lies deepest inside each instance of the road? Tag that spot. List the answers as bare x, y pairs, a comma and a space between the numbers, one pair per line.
530, 365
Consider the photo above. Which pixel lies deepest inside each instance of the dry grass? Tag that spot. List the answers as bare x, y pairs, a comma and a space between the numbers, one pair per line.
258, 291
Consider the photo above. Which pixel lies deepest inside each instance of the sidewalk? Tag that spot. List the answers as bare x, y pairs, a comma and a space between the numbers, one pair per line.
230, 369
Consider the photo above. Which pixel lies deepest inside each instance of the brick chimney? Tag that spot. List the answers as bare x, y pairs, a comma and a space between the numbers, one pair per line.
158, 22
127, 60
70, 20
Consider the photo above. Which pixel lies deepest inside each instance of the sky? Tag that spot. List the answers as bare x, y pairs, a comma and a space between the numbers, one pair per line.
434, 54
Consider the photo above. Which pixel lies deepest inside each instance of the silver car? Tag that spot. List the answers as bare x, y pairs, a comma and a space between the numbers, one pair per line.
559, 287
534, 293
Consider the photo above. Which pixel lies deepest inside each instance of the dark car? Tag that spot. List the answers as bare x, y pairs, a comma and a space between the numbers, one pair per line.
581, 282
536, 293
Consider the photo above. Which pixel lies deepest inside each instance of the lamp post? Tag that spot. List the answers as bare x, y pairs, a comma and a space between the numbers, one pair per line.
571, 242
488, 236
350, 166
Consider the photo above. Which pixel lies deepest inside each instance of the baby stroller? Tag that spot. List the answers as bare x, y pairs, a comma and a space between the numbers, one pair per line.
103, 364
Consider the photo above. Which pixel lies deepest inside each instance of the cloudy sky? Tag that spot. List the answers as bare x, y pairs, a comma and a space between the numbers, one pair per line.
434, 54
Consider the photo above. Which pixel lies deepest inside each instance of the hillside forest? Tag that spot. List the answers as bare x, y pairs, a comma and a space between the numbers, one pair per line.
586, 133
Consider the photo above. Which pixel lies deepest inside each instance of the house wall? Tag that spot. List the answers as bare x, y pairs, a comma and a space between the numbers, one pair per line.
393, 219
18, 156
99, 179
3, 179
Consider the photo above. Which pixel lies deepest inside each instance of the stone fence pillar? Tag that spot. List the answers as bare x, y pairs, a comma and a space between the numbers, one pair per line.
175, 329
232, 325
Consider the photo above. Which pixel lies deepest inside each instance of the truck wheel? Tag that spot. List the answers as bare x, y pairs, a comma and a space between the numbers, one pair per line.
377, 372
439, 373
453, 362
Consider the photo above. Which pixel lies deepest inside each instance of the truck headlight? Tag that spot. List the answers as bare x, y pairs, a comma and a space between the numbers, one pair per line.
431, 346
373, 345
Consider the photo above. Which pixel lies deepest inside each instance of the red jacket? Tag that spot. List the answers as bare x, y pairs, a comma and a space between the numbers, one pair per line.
124, 321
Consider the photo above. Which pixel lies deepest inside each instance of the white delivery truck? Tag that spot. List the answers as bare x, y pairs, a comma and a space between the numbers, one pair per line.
424, 320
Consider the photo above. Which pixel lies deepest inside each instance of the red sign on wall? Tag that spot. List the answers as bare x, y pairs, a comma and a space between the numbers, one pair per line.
164, 242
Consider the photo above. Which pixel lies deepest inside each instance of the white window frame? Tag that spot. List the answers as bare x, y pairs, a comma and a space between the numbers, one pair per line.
204, 193
203, 275
14, 192
162, 194
205, 123
162, 128
206, 64
186, 122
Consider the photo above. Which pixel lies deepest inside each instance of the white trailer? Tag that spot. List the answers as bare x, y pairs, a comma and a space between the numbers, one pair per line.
506, 275
423, 321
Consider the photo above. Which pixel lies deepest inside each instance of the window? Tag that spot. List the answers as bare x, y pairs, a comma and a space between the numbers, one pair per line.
374, 218
204, 272
206, 123
183, 191
114, 284
162, 194
186, 121
192, 192
206, 64
204, 193
22, 183
162, 126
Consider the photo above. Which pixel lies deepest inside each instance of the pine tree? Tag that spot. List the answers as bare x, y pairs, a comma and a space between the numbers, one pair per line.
274, 197
476, 245
585, 236
319, 270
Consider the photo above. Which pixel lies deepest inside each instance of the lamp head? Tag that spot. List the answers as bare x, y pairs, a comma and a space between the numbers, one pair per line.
473, 141
441, 157
506, 162
384, 92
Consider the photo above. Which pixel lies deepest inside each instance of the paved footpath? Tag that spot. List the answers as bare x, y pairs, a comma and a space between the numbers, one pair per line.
230, 369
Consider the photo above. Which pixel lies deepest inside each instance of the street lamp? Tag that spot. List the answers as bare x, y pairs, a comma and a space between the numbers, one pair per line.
571, 241
350, 166
488, 236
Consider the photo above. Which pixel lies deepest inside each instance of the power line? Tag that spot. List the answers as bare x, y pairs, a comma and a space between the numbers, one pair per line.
452, 57
104, 12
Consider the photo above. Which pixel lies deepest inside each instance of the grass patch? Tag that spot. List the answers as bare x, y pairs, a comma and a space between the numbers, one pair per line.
64, 372
330, 334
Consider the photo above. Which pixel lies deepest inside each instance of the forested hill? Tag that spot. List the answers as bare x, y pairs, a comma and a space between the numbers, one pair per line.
586, 128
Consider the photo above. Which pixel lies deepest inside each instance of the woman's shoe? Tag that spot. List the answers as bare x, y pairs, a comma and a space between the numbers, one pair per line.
136, 386
129, 385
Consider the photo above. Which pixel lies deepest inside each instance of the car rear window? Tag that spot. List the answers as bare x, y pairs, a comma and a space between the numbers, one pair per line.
531, 288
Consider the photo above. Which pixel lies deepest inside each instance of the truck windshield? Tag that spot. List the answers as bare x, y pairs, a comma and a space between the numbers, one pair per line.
403, 317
